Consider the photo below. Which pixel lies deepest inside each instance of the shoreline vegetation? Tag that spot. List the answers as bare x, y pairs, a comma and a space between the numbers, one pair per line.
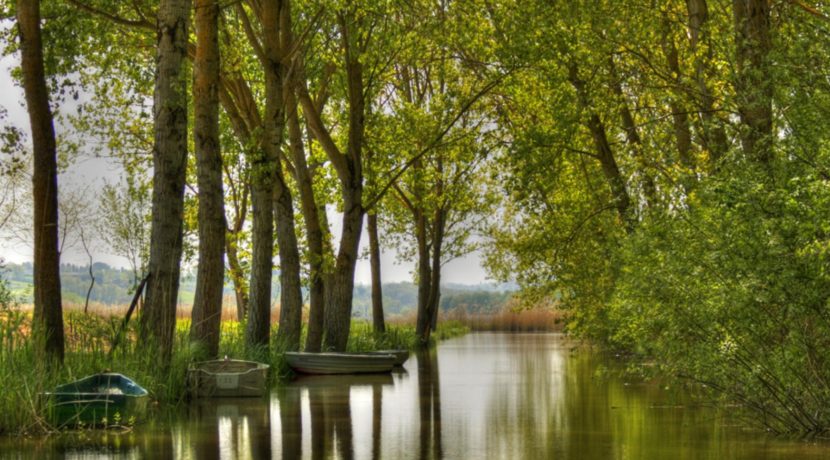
89, 338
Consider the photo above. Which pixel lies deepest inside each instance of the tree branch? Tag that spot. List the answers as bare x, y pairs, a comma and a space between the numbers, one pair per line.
464, 108
142, 23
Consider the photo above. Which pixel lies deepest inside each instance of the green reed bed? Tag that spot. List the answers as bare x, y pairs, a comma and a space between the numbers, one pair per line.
89, 338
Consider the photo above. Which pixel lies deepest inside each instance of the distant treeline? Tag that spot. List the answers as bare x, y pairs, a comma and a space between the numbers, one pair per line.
114, 286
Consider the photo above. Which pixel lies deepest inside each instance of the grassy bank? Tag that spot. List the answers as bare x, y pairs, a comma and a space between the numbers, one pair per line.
89, 337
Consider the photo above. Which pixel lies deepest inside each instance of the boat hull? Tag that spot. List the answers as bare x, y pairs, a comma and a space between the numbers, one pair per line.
98, 400
340, 363
228, 378
400, 355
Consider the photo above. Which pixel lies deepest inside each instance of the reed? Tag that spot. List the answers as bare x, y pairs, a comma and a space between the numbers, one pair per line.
511, 321
89, 338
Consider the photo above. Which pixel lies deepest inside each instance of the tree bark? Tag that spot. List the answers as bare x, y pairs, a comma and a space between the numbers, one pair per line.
632, 135
378, 323
339, 307
435, 284
604, 154
237, 275
264, 182
207, 303
713, 135
314, 231
48, 315
679, 113
754, 80
350, 172
158, 321
424, 274
291, 299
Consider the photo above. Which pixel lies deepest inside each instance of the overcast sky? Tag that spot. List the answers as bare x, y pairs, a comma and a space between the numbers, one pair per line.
91, 174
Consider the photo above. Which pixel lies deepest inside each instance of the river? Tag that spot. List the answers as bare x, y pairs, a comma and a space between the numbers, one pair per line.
484, 395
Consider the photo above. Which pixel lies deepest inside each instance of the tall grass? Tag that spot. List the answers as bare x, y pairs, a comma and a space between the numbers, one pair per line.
507, 320
89, 338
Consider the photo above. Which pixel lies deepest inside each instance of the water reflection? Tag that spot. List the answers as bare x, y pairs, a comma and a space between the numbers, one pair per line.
429, 405
481, 396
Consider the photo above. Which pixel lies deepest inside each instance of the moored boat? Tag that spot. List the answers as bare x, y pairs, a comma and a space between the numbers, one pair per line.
340, 363
400, 355
227, 378
97, 400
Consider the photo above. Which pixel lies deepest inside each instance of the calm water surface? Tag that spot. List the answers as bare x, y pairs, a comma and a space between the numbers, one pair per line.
480, 396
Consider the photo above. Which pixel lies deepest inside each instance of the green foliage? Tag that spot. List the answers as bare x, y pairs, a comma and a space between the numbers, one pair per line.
722, 276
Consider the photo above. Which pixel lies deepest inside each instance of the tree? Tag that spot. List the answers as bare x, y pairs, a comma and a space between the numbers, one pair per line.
124, 224
210, 279
754, 82
158, 320
351, 25
48, 316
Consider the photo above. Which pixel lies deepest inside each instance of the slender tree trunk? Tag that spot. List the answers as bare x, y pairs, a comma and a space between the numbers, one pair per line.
679, 113
314, 231
604, 154
754, 80
424, 276
158, 320
259, 303
435, 284
350, 173
632, 135
291, 299
265, 178
374, 260
339, 308
713, 135
207, 304
48, 315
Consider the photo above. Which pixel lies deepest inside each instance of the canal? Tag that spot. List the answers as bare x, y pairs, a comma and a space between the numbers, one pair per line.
484, 395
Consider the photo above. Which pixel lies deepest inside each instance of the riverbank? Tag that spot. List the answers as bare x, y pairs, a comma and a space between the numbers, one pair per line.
89, 337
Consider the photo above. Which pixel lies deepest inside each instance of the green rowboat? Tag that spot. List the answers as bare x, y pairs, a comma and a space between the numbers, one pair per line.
97, 400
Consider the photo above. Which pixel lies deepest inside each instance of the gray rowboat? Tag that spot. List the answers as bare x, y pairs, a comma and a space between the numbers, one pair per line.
227, 378
340, 363
400, 355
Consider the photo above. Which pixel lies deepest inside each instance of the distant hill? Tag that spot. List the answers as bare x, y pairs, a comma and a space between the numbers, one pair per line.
113, 286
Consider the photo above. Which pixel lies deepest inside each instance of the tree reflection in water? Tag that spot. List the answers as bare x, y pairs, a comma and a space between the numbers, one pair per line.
291, 422
429, 405
330, 413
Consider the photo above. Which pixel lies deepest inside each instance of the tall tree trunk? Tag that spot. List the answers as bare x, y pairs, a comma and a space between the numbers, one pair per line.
262, 232
264, 181
713, 135
374, 260
210, 278
632, 135
679, 113
314, 231
350, 173
435, 284
424, 276
291, 298
604, 154
754, 80
48, 316
158, 320
339, 307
